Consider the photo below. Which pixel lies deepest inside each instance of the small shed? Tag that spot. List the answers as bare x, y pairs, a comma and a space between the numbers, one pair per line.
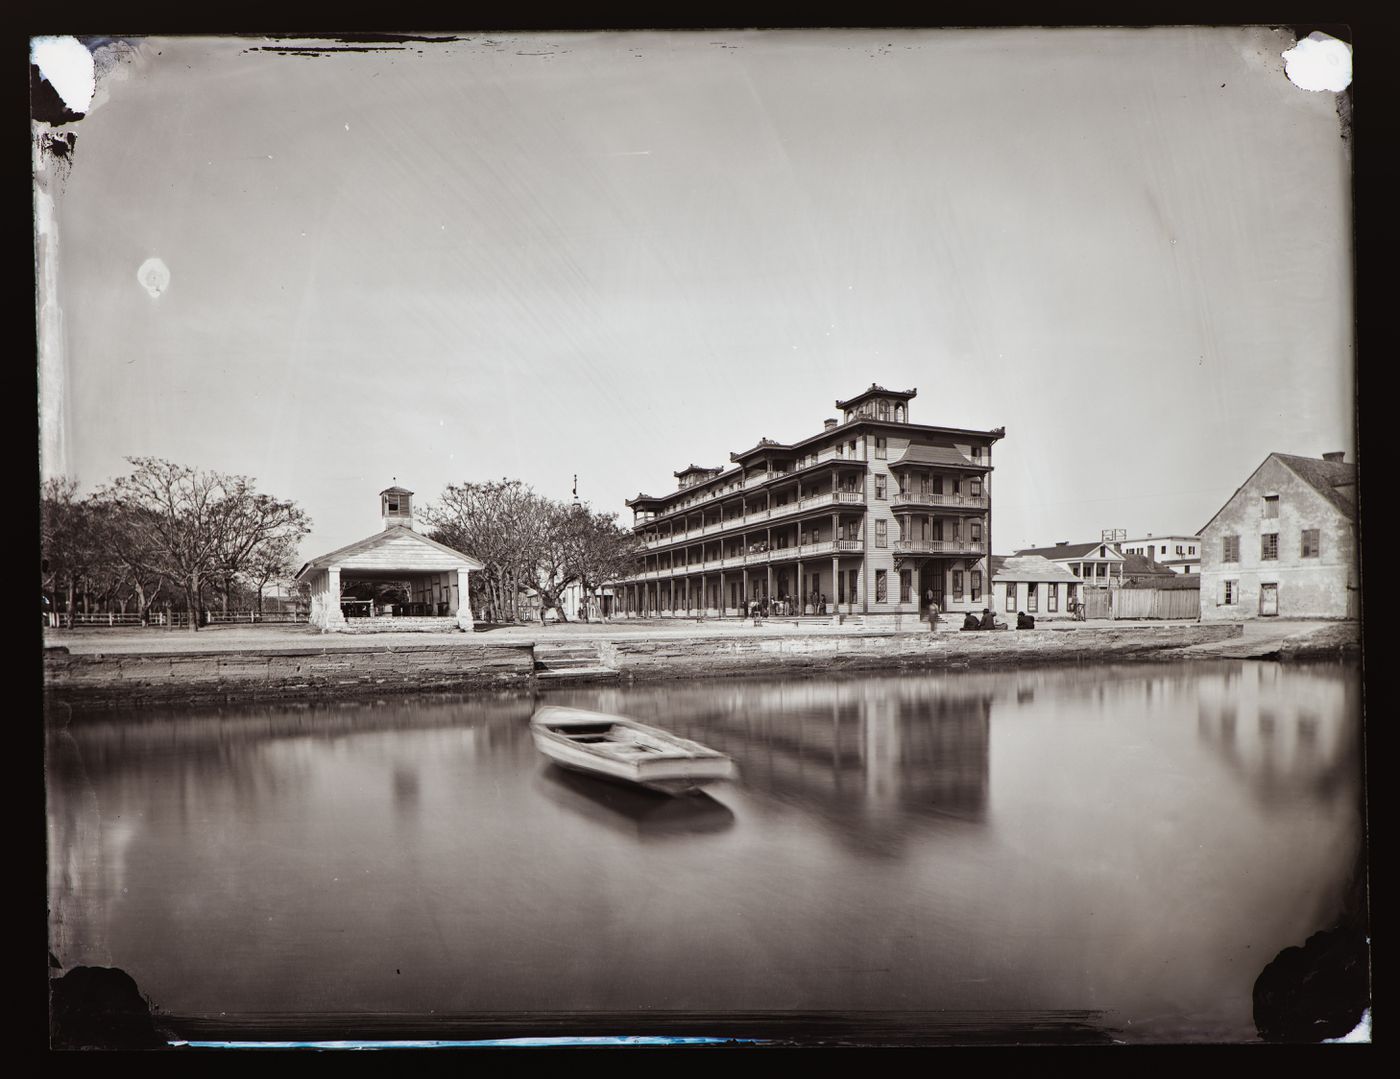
434, 578
1033, 584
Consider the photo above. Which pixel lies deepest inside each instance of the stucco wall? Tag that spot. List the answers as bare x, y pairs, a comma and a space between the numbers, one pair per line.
1320, 587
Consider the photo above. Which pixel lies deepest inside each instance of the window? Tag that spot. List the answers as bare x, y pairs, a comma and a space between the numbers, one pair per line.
1191, 549
906, 585
881, 450
976, 527
1010, 595
1179, 549
1229, 593
1032, 596
974, 488
881, 533
1312, 542
1268, 546
881, 588
957, 485
1230, 549
1052, 597
879, 486
958, 584
976, 585
1270, 507
885, 410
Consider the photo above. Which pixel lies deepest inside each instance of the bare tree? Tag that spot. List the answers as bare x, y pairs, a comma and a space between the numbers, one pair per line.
194, 524
272, 559
500, 524
602, 551
526, 541
251, 525
68, 545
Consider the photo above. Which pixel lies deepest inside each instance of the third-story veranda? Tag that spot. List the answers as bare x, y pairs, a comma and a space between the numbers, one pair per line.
870, 516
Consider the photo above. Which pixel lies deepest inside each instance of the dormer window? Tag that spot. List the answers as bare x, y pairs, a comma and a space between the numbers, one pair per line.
885, 411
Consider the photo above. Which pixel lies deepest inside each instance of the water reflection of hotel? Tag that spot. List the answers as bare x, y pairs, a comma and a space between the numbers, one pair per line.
874, 750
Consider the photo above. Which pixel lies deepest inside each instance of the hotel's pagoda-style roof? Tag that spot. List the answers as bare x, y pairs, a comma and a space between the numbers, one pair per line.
695, 476
876, 391
940, 456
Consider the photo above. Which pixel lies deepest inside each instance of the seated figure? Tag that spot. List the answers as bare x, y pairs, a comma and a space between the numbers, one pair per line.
988, 620
1024, 621
970, 621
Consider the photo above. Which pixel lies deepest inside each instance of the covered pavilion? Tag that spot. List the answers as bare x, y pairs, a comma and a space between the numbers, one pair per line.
432, 578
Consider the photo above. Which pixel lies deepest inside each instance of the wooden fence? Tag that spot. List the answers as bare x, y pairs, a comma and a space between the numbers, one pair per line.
65, 620
1140, 603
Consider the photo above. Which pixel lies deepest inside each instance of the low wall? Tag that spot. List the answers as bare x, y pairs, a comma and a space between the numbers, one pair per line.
114, 679
662, 658
124, 678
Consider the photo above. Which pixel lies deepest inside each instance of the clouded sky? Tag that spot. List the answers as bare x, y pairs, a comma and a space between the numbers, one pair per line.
615, 254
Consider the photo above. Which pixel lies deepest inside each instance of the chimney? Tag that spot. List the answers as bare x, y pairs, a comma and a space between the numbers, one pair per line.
1335, 457
829, 424
1062, 543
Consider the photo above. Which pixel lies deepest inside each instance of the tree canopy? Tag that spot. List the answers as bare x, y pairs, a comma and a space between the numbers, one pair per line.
528, 543
165, 528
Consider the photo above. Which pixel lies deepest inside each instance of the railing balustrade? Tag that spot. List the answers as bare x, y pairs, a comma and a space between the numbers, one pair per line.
938, 546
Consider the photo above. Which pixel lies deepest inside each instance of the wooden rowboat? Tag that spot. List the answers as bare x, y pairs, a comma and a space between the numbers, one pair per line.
618, 748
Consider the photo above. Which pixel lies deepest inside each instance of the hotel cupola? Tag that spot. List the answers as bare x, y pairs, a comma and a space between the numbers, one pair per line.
396, 507
878, 403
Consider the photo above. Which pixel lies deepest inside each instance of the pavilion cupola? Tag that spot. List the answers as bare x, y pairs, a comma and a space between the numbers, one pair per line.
396, 507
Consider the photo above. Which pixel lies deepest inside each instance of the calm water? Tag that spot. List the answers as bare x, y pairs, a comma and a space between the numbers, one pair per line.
1133, 840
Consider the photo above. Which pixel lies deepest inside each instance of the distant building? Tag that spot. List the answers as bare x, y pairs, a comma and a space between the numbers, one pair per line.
1141, 571
433, 576
1284, 544
1097, 565
1033, 584
1180, 554
868, 516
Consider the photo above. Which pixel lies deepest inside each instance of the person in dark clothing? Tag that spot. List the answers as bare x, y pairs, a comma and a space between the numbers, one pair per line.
988, 621
970, 621
1024, 621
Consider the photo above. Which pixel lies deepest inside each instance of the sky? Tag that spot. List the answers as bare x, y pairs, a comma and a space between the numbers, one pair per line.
613, 255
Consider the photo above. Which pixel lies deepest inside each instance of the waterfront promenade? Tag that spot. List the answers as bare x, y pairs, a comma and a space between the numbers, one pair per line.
102, 668
1258, 636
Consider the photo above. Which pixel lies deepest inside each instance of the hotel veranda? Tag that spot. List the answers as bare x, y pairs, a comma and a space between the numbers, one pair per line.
870, 516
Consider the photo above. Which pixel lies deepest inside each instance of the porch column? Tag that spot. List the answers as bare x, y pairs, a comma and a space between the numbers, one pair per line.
865, 558
464, 600
835, 582
721, 593
797, 586
769, 593
334, 618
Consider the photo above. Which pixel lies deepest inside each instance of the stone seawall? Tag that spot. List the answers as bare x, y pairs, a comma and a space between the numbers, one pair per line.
194, 677
689, 657
113, 679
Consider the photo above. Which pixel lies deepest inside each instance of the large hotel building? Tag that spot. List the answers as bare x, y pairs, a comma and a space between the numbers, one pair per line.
869, 516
